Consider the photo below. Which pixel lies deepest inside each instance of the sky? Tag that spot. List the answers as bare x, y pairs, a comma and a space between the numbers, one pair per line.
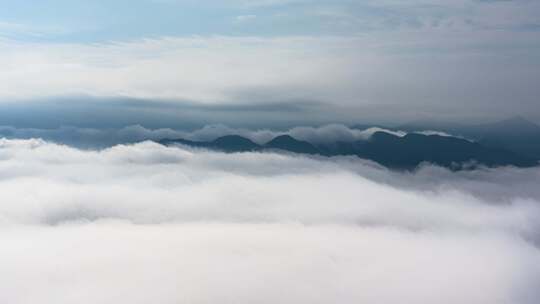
184, 64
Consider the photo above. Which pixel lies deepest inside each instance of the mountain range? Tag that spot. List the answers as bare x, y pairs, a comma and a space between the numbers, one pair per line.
404, 152
515, 134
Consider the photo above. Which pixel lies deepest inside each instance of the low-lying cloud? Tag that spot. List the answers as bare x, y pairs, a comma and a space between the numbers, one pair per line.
99, 138
144, 222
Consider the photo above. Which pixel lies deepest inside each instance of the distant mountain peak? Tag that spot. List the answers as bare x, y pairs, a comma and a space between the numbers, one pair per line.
284, 137
289, 143
512, 127
401, 152
233, 138
235, 143
518, 121
382, 135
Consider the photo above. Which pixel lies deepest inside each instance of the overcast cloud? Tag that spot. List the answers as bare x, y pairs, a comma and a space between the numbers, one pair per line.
464, 60
360, 76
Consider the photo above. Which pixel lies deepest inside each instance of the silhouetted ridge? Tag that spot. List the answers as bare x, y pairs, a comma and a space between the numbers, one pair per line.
516, 134
288, 143
393, 151
381, 136
518, 122
234, 143
412, 149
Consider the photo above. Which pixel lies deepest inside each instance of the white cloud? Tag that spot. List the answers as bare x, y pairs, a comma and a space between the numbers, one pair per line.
140, 223
211, 69
262, 263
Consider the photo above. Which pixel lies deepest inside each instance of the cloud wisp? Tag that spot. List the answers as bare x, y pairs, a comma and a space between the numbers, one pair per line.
103, 226
98, 138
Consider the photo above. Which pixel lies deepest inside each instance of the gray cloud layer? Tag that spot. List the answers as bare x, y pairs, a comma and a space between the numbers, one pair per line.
143, 222
435, 71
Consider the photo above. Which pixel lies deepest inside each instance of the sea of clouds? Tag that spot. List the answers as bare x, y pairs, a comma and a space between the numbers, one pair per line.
145, 223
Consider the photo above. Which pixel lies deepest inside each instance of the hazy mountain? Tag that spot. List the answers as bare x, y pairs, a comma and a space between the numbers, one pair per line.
413, 149
288, 143
234, 143
392, 151
229, 143
515, 134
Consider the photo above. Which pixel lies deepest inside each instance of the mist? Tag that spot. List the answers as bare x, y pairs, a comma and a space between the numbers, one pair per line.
107, 137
